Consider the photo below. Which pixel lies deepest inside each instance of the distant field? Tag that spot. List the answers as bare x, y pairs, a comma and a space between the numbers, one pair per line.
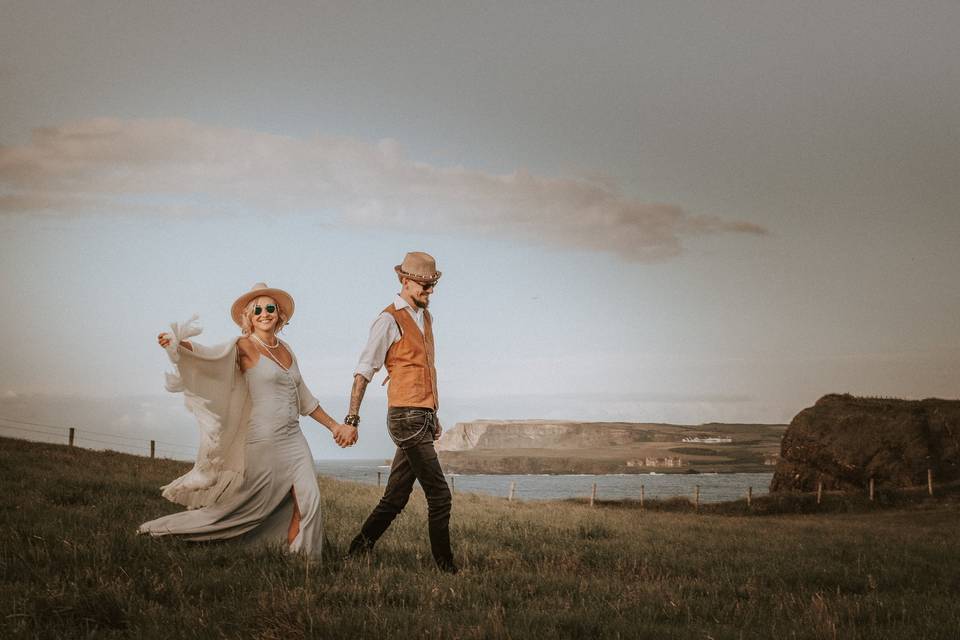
70, 567
600, 448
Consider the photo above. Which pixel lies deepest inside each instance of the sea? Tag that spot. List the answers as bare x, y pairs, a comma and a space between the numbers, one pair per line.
714, 487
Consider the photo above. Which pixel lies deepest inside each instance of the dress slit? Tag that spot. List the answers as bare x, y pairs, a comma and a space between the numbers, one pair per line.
294, 529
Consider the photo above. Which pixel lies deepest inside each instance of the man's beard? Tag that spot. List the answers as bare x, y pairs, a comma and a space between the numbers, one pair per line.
423, 304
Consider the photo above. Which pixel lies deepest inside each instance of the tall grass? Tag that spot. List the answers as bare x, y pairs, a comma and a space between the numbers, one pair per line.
71, 567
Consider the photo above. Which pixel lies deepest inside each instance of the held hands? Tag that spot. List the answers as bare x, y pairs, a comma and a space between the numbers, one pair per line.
345, 435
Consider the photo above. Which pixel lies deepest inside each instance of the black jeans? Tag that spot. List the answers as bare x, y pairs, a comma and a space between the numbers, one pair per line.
411, 429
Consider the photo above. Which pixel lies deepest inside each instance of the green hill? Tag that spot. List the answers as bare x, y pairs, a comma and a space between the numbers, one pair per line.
71, 567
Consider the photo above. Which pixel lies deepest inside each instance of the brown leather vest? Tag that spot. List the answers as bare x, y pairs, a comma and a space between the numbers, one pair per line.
410, 364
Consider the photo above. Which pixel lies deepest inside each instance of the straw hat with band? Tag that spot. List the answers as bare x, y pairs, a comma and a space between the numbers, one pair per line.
284, 301
418, 266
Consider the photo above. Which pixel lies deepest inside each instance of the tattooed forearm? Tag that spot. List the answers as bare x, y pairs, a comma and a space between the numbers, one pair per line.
356, 394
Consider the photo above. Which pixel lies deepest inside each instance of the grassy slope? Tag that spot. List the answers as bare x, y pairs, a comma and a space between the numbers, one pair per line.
70, 566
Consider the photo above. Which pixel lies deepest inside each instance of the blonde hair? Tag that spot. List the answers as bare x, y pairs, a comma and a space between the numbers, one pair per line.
246, 318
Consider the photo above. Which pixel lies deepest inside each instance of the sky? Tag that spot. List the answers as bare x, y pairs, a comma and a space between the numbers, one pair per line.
677, 212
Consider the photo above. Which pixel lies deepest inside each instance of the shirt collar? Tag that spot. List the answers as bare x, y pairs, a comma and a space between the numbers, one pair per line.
400, 303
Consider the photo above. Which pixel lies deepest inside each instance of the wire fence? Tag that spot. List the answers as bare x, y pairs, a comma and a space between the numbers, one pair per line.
676, 491
96, 440
99, 440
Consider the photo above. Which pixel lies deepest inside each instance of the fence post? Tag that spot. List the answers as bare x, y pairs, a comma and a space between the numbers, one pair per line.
453, 485
871, 489
379, 473
930, 481
593, 494
513, 486
749, 496
72, 434
153, 448
641, 496
819, 491
696, 498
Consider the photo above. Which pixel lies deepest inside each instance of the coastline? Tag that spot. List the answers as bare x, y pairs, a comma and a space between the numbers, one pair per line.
713, 487
566, 462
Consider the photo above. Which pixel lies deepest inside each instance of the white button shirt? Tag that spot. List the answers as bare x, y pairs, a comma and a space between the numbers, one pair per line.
383, 333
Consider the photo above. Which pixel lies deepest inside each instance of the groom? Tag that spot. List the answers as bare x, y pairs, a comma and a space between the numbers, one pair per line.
402, 339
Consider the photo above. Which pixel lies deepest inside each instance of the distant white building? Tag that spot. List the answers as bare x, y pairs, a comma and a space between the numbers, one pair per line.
707, 439
674, 461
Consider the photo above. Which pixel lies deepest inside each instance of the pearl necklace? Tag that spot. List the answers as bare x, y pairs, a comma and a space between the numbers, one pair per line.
254, 336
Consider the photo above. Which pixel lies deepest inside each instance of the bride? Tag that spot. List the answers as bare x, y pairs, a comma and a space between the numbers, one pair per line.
254, 477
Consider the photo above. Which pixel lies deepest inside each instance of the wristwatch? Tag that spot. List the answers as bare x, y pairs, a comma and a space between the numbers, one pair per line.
352, 419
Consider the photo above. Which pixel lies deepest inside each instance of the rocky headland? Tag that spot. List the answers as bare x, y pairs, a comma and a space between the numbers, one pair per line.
557, 447
844, 441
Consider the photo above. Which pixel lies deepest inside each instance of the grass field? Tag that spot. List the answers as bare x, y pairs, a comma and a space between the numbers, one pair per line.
71, 567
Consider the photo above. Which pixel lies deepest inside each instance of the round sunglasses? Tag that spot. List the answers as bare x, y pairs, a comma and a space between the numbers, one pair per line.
271, 308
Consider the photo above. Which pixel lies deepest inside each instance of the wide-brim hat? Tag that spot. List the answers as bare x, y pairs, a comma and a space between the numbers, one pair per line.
284, 301
418, 266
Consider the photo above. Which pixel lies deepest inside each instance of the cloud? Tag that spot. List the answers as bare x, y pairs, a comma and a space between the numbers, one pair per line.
182, 167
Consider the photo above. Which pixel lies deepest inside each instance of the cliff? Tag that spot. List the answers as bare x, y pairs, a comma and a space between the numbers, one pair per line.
542, 434
844, 441
543, 446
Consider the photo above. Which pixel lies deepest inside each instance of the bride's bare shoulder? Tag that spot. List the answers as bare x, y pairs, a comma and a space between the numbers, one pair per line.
245, 344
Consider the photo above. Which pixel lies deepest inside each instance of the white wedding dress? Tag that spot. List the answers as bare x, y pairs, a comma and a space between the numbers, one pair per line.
277, 460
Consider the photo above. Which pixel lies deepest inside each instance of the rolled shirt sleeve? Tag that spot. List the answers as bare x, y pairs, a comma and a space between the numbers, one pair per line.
383, 333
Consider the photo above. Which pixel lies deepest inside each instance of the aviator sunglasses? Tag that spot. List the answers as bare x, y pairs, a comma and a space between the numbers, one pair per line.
271, 308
